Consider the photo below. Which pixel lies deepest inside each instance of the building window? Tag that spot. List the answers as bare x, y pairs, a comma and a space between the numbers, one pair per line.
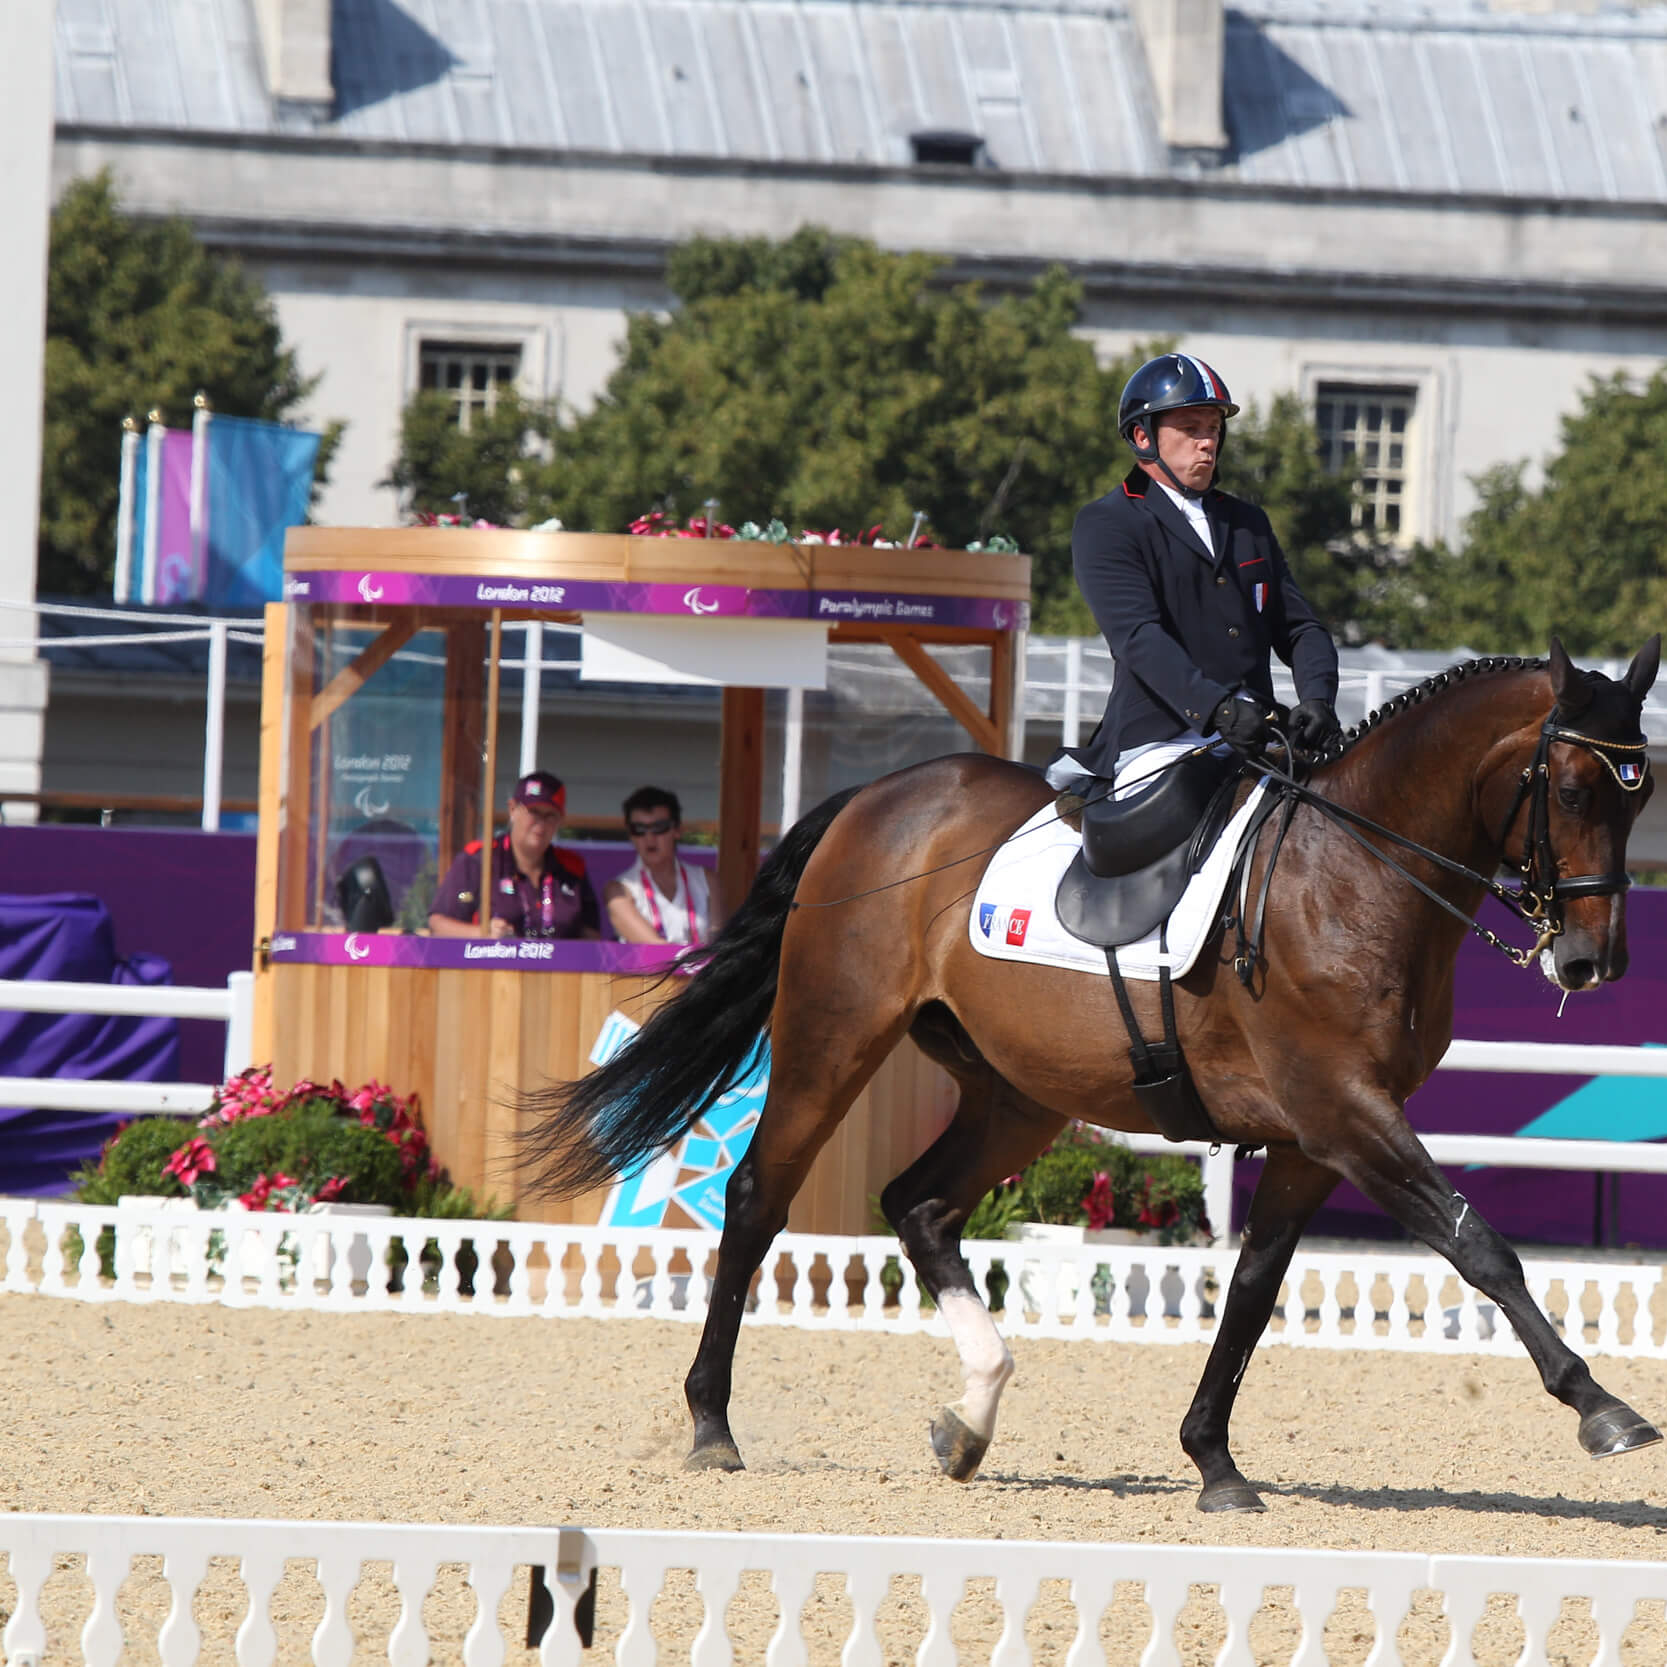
471, 373
1371, 429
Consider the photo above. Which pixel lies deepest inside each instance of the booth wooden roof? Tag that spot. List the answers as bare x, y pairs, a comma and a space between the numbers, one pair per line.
613, 558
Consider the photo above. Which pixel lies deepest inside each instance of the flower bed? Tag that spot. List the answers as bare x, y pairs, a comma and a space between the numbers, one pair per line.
1088, 1178
269, 1149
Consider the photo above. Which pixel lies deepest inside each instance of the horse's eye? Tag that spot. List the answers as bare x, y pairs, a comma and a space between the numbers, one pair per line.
1573, 799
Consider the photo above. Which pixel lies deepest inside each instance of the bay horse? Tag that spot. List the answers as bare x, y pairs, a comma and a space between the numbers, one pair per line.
855, 935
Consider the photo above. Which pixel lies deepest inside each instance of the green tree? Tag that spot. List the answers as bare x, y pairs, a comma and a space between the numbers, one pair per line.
139, 316
1583, 556
833, 385
443, 471
825, 382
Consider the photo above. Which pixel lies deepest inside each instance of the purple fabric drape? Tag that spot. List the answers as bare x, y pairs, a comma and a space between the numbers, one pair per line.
67, 938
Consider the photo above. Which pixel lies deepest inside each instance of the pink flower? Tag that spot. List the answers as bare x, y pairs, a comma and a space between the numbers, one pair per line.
332, 1188
194, 1158
1100, 1206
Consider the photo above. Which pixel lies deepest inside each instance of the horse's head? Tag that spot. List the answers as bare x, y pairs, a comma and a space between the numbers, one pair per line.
1587, 782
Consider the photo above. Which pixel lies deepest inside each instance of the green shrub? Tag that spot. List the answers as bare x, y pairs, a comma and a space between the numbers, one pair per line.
132, 1162
310, 1142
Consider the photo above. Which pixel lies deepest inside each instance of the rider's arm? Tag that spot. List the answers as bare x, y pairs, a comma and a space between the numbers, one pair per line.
1113, 575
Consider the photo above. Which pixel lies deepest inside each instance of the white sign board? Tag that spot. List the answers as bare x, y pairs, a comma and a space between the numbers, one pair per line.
666, 648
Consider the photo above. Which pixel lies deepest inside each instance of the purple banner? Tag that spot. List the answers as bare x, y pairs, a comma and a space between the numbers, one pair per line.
697, 601
393, 949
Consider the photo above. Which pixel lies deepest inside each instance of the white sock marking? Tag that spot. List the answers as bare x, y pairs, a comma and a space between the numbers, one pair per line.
986, 1364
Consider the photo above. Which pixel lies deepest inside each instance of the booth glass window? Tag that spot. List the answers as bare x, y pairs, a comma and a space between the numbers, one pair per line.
386, 764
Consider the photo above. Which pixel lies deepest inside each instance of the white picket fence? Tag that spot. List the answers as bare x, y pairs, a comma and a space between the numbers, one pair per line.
283, 1567
1360, 1297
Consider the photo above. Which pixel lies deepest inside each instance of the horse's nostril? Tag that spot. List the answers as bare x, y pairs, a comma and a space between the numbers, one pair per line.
1578, 974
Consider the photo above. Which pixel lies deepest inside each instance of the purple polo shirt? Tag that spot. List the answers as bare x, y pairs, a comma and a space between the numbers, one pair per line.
561, 905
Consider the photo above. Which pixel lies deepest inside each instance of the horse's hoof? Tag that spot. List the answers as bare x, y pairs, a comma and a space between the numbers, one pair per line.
1616, 1429
1235, 1495
715, 1455
960, 1450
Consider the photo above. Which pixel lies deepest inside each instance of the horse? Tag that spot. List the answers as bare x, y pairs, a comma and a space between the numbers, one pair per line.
855, 934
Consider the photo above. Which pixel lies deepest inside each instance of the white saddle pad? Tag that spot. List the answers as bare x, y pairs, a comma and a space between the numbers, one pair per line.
1013, 916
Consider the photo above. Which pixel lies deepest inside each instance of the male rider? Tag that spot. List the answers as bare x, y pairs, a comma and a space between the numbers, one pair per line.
1191, 589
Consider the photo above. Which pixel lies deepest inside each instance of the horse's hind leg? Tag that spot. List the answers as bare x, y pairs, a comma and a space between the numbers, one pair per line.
1385, 1159
821, 1055
1291, 1189
995, 1131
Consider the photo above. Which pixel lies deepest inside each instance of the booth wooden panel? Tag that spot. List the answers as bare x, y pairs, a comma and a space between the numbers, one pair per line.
466, 1041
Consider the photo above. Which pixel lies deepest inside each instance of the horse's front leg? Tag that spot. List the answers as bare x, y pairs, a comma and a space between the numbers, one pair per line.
1376, 1149
1291, 1189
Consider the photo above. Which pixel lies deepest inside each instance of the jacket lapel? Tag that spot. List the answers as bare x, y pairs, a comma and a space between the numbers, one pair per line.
1160, 504
1218, 524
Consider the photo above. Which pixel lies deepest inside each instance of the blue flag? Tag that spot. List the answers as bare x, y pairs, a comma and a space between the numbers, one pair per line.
260, 482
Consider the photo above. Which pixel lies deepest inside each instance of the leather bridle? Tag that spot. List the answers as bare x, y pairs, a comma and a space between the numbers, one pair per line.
1543, 891
1537, 902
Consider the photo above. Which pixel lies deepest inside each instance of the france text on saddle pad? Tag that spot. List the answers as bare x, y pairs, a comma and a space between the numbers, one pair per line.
1013, 916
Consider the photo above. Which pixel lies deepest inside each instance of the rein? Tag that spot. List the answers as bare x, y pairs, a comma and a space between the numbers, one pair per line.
1536, 902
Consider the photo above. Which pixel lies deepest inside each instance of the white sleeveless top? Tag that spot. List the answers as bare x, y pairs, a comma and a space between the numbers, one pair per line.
682, 918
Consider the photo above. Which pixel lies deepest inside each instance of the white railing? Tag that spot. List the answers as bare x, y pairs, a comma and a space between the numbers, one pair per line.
443, 1597
1363, 1297
234, 1006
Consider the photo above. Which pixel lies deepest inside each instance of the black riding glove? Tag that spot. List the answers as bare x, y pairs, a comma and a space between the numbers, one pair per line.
1242, 725
1314, 725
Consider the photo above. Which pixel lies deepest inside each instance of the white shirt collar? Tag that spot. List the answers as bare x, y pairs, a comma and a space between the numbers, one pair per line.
1193, 509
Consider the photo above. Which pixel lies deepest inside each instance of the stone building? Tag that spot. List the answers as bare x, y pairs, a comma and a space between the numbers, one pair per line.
1434, 218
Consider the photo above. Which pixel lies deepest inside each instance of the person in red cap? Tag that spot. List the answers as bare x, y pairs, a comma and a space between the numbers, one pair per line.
537, 889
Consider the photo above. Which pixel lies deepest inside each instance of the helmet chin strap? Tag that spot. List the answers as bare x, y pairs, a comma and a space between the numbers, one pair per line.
1185, 491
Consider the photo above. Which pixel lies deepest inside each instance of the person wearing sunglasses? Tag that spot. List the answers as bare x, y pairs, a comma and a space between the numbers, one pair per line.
659, 898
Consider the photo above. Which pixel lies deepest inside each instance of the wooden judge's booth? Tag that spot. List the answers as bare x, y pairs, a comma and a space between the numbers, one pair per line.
379, 736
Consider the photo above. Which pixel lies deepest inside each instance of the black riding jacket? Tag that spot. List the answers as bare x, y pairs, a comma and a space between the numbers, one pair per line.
1185, 628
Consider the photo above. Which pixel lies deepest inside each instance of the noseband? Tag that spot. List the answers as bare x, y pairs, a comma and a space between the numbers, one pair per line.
1543, 891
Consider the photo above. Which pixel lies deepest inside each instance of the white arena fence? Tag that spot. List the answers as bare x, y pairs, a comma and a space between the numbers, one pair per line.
1361, 1297
422, 1593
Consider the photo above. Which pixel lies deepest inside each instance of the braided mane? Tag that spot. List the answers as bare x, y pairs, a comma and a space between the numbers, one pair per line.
1420, 691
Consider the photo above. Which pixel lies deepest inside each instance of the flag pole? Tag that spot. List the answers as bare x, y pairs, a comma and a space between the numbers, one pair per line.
153, 507
124, 509
202, 415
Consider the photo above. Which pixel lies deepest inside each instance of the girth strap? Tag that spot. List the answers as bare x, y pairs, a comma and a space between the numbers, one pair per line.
1163, 1085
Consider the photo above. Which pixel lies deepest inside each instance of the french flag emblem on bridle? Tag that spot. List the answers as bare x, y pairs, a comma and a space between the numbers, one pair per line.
1259, 594
1630, 771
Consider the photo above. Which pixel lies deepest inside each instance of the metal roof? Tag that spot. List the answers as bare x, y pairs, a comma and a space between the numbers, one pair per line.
1403, 96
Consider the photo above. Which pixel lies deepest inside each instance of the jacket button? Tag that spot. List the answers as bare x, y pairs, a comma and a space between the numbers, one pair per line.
1193, 716
1232, 630
1221, 578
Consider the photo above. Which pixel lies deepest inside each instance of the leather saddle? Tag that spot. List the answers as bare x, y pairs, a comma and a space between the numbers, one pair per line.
1139, 852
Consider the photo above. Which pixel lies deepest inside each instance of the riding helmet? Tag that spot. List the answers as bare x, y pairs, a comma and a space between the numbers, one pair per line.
1171, 382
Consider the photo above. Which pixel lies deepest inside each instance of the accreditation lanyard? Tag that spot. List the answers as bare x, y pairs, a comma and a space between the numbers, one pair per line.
547, 892
654, 903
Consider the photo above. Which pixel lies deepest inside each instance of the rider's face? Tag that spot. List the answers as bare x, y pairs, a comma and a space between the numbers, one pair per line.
1190, 443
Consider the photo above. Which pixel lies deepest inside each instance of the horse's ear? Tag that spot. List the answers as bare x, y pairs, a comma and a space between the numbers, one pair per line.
1640, 675
1569, 688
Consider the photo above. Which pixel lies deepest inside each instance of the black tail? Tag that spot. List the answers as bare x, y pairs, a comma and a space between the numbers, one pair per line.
689, 1052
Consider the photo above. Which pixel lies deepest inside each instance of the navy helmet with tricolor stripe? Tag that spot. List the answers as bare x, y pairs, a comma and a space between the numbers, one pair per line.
1171, 382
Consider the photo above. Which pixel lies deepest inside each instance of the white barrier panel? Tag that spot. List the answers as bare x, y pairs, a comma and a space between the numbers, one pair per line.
281, 1565
1363, 1297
